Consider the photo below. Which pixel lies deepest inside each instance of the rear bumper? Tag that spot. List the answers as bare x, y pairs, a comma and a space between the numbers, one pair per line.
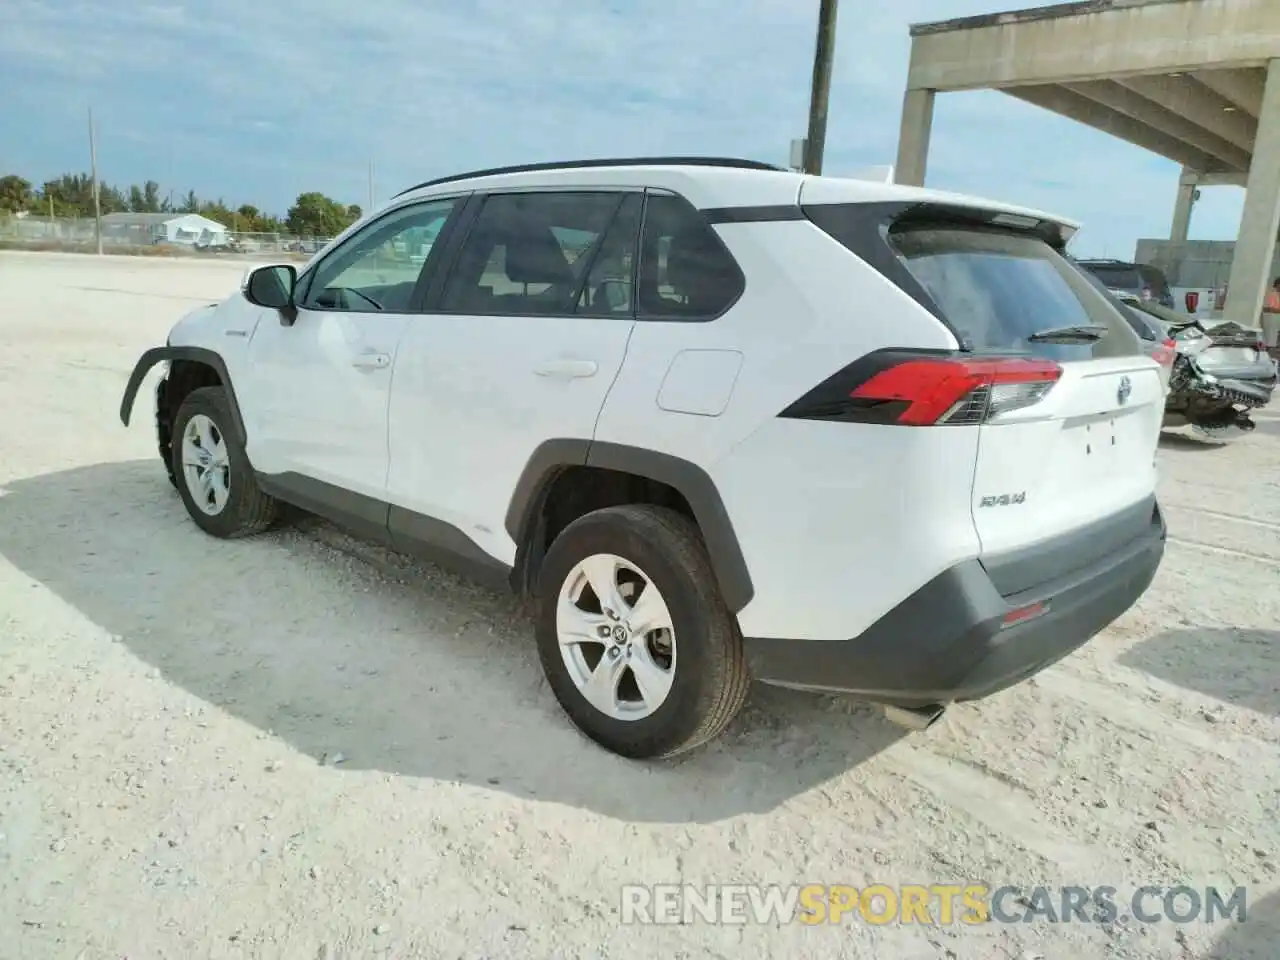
948, 642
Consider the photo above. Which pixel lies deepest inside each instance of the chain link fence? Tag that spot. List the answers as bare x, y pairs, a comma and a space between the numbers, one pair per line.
77, 235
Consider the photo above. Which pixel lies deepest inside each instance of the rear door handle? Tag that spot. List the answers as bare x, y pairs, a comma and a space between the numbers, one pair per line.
567, 369
371, 361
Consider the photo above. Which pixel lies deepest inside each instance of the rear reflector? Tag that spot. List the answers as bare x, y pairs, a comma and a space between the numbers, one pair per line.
1023, 614
1165, 353
957, 390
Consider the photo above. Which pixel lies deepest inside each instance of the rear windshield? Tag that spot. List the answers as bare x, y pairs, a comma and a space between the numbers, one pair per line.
997, 289
1117, 277
1155, 280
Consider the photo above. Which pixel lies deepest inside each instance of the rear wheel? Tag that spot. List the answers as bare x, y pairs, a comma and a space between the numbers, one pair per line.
213, 473
633, 635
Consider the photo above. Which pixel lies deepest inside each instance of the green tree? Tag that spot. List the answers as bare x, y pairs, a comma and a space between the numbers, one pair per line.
145, 198
315, 215
15, 194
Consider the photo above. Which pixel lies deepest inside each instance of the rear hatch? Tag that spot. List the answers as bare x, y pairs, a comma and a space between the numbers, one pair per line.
1068, 424
1084, 449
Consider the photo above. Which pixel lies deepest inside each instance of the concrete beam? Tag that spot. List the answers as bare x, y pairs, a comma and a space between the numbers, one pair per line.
1256, 244
1224, 179
1212, 179
1121, 99
1086, 111
1243, 88
913, 137
1105, 40
1199, 104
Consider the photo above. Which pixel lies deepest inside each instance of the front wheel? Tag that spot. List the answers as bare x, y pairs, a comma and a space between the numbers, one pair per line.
213, 473
635, 640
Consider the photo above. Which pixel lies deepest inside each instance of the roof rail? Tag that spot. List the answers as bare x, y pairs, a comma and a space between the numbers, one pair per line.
606, 162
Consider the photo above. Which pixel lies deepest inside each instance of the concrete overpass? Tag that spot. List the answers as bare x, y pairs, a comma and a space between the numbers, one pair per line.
1195, 81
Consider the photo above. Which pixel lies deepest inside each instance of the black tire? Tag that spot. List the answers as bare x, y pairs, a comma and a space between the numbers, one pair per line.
248, 510
711, 679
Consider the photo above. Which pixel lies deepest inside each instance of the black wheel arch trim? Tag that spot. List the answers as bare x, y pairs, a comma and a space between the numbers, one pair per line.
688, 479
195, 354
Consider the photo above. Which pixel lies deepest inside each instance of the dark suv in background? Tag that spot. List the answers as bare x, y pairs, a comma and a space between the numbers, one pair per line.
1140, 279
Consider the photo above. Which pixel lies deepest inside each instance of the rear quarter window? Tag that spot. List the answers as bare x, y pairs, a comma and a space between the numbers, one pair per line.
996, 289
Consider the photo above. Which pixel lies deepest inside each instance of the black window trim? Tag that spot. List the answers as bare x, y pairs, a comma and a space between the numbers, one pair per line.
433, 299
302, 286
684, 318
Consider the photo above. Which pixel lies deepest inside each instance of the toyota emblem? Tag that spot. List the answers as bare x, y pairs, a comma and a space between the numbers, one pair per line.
1126, 388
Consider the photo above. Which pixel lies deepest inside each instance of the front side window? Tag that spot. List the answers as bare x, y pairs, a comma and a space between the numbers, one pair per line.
685, 271
998, 290
376, 269
528, 253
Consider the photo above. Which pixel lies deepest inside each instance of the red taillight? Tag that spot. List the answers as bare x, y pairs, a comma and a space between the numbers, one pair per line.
1165, 353
958, 391
1192, 300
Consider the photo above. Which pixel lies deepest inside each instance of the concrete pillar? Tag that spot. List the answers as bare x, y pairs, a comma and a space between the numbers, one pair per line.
913, 138
1256, 244
1187, 187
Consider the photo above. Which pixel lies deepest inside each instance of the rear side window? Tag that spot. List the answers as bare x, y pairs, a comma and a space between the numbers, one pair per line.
609, 290
528, 253
997, 289
685, 271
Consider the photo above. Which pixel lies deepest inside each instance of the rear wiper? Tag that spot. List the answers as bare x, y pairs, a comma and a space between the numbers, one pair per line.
1079, 333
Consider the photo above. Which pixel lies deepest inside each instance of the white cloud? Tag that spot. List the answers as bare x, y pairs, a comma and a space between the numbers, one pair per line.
255, 101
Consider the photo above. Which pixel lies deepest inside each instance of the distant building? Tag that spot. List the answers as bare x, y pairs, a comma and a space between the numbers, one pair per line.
147, 228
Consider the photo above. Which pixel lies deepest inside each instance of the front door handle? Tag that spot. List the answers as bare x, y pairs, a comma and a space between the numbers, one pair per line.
567, 369
372, 361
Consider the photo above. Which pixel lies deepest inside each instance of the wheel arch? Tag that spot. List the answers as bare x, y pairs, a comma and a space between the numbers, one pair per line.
526, 513
178, 356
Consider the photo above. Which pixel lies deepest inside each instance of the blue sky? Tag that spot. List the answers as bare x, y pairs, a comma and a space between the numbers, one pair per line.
254, 101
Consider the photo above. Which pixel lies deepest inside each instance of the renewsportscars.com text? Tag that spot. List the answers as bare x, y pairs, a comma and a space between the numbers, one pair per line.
927, 904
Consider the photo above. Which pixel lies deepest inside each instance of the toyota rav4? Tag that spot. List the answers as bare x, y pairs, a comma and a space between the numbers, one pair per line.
720, 420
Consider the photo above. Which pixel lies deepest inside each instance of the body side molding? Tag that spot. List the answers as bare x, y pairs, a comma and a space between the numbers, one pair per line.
391, 526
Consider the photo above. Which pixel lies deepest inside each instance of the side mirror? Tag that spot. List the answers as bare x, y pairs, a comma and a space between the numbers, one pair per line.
271, 287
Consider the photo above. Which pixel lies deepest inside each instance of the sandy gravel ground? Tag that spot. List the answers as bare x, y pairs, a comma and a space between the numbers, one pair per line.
168, 702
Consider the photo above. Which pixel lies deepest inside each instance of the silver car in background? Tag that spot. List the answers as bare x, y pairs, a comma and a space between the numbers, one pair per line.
1221, 372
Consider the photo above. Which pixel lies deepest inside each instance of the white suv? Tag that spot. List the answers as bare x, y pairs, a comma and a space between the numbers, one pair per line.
722, 420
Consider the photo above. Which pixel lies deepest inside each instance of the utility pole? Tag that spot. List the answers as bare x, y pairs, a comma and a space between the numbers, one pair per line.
370, 208
821, 90
97, 195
